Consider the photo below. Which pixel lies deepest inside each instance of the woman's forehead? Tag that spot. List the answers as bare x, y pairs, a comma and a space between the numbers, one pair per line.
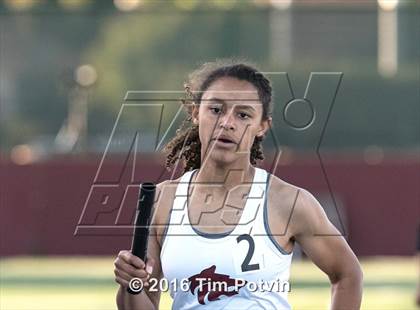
231, 90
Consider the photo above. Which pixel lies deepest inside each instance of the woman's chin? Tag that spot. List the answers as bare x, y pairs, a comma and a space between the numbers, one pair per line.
223, 157
226, 156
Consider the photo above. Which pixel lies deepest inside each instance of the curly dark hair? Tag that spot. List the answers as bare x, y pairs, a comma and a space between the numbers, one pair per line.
186, 143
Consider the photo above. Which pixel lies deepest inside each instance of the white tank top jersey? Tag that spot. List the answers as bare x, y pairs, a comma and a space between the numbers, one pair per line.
234, 259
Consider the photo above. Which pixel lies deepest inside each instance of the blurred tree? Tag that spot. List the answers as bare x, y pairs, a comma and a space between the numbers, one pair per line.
156, 51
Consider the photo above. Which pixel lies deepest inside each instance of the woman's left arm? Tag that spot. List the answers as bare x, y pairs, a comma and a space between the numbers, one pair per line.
327, 248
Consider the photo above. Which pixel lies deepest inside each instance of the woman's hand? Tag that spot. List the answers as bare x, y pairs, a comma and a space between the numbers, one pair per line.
129, 266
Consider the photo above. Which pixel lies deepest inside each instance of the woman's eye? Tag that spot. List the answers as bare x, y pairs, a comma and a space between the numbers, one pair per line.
243, 115
216, 110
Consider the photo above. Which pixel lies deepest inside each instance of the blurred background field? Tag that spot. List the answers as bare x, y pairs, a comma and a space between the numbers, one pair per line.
87, 283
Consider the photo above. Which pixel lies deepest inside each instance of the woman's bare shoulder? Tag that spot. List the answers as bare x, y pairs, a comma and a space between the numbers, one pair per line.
165, 195
279, 188
164, 198
286, 198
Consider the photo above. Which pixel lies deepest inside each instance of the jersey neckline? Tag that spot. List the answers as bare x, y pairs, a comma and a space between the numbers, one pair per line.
222, 234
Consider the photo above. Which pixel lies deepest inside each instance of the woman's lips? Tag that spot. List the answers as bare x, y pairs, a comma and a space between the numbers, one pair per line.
224, 140
224, 143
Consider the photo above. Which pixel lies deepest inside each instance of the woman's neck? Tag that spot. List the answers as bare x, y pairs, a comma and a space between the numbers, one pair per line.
228, 176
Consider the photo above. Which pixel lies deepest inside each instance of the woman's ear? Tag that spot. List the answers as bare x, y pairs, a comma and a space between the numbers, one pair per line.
194, 113
265, 126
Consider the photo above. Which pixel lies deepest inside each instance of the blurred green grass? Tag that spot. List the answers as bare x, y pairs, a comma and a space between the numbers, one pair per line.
87, 283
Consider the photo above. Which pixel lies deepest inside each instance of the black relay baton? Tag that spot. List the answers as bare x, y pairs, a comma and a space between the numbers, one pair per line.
141, 230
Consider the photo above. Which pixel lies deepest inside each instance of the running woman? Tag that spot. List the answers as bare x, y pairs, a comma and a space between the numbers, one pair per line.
223, 233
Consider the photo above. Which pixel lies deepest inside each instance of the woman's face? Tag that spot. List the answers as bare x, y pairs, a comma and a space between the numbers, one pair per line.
229, 118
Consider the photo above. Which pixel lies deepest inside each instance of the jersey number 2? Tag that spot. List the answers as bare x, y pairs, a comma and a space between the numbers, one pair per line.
246, 266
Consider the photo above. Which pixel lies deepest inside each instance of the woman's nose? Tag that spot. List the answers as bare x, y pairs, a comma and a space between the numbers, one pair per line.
227, 121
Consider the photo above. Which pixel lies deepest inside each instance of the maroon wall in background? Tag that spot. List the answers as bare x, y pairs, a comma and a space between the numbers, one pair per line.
41, 203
